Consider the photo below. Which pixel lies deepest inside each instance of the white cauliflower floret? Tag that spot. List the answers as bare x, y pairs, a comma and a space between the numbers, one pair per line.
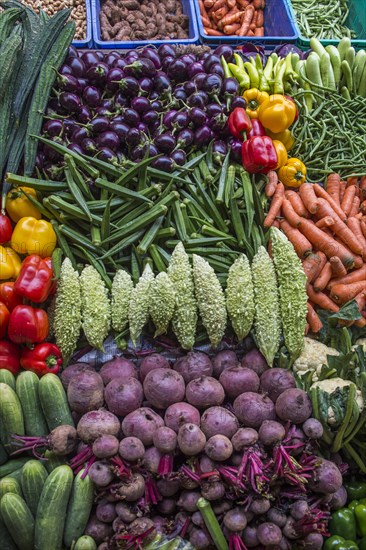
313, 357
361, 342
330, 386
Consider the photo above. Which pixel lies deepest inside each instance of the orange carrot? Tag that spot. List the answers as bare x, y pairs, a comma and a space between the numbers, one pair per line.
259, 31
231, 29
355, 207
338, 269
353, 277
326, 244
355, 226
321, 299
202, 6
333, 186
357, 260
212, 32
323, 278
276, 223
360, 298
339, 227
206, 22
363, 227
347, 200
246, 21
231, 3
289, 213
209, 3
352, 181
234, 16
297, 203
312, 266
327, 221
309, 197
342, 293
320, 192
342, 188
301, 244
243, 3
313, 319
276, 204
363, 207
260, 19
363, 182
272, 184
360, 323
258, 4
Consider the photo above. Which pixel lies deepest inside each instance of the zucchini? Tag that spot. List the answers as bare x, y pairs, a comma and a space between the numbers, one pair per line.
7, 377
53, 461
85, 543
52, 508
9, 485
18, 520
27, 385
42, 90
79, 508
6, 542
11, 416
12, 465
54, 402
33, 477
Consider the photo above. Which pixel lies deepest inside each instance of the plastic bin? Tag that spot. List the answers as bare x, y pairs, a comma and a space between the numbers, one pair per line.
278, 28
355, 21
88, 42
188, 8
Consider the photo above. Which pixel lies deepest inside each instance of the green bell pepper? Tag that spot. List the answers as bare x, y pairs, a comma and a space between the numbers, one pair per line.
356, 490
360, 515
343, 523
339, 543
362, 544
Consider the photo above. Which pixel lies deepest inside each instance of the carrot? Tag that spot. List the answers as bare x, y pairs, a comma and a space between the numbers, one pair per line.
206, 22
347, 200
357, 260
220, 13
260, 18
339, 227
203, 9
259, 31
363, 183
246, 21
276, 223
360, 323
355, 226
271, 184
321, 193
308, 197
276, 204
231, 4
323, 278
218, 4
312, 266
352, 181
300, 243
353, 277
363, 227
243, 3
212, 32
338, 269
289, 213
327, 221
342, 293
234, 16
258, 4
342, 188
297, 203
321, 299
355, 207
363, 207
313, 319
209, 3
232, 29
360, 298
325, 243
333, 187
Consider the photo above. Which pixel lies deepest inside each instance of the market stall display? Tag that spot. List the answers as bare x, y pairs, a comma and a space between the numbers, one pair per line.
182, 287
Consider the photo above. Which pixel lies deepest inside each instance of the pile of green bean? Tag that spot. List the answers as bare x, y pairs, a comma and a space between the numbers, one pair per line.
322, 19
331, 137
113, 217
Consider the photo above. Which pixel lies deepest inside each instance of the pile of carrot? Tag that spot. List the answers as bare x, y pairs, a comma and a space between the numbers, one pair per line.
232, 17
327, 227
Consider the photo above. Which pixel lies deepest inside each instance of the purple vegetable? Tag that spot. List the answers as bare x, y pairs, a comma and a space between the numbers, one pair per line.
70, 102
271, 432
219, 421
142, 423
85, 391
140, 104
152, 54
123, 396
294, 405
163, 387
312, 428
106, 512
191, 439
276, 381
326, 477
203, 136
131, 449
225, 51
165, 143
179, 157
255, 361
235, 520
181, 413
53, 128
105, 446
90, 58
141, 67
193, 365
96, 423
197, 116
244, 437
165, 439
100, 473
204, 392
237, 380
219, 448
77, 67
269, 534
108, 139
84, 115
91, 96
252, 409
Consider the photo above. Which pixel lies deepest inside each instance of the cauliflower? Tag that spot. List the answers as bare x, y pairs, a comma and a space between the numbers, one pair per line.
330, 386
313, 357
361, 342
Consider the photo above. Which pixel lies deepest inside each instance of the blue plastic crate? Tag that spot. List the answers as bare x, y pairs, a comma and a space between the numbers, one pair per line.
88, 42
279, 28
188, 8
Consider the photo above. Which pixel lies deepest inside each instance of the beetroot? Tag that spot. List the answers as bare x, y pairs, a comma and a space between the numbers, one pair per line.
271, 432
237, 380
191, 439
168, 487
85, 392
118, 367
223, 360
244, 437
218, 420
152, 362
151, 460
181, 413
199, 539
294, 405
255, 361
72, 370
312, 428
95, 423
219, 448
205, 391
105, 446
132, 488
98, 530
275, 381
123, 396
124, 511
142, 423
235, 520
165, 439
131, 449
269, 534
106, 512
193, 365
100, 473
252, 409
327, 478
188, 500
212, 490
163, 387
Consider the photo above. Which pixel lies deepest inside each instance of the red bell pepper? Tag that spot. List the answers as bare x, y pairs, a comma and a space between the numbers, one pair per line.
35, 279
257, 129
4, 319
28, 325
239, 123
8, 295
42, 359
259, 155
6, 229
9, 356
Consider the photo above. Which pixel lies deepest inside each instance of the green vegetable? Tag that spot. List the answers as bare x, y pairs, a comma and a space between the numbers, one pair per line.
138, 312
343, 523
54, 402
85, 543
12, 465
240, 297
11, 416
9, 485
336, 542
78, 508
33, 478
27, 386
18, 520
122, 287
7, 377
95, 307
355, 489
161, 302
360, 515
6, 541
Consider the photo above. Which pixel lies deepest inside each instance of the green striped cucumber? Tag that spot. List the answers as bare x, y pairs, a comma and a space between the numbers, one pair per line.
27, 385
6, 542
18, 520
79, 508
11, 416
53, 461
54, 402
85, 543
12, 465
33, 477
3, 455
52, 509
9, 485
7, 377
17, 474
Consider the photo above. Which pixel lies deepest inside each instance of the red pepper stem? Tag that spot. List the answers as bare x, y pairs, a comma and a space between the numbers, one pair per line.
51, 361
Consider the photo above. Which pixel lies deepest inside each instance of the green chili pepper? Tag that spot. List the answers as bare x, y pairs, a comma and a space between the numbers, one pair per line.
343, 523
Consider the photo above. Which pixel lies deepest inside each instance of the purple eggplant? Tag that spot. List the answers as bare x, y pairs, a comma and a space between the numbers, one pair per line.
230, 90
140, 104
141, 67
146, 85
83, 82
199, 79
177, 70
72, 52
198, 116
97, 73
181, 120
157, 105
238, 102
120, 128
190, 87
84, 115
99, 124
111, 57
88, 145
68, 83
203, 136
217, 69
168, 119
65, 69
154, 95
129, 85
142, 127
164, 163
120, 100
77, 66
79, 134
219, 151
119, 63
70, 102
40, 159
166, 62
213, 109
90, 58
212, 85
217, 123
114, 76
179, 93
108, 139
166, 49
107, 155
150, 117
194, 68
185, 138
152, 54
210, 60
102, 111
179, 156
75, 147
69, 126
131, 57
226, 51
132, 118
188, 58
198, 99
162, 83
100, 55
133, 137
165, 142
91, 96
53, 128
235, 149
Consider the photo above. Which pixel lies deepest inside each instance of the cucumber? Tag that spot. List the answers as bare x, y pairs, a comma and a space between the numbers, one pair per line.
27, 385
335, 59
9, 485
6, 542
79, 508
85, 543
33, 477
312, 68
52, 508
12, 465
54, 402
343, 47
7, 377
11, 416
317, 46
17, 475
3, 455
53, 461
18, 520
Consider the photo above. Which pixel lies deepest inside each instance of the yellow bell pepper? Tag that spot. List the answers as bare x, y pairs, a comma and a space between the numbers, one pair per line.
31, 236
285, 137
254, 99
277, 113
293, 173
10, 263
282, 156
18, 205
